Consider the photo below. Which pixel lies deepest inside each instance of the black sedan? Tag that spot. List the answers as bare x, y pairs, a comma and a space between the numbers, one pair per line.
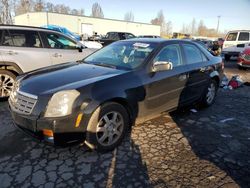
97, 99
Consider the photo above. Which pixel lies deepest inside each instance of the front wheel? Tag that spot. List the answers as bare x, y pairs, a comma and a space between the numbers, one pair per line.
107, 127
7, 80
210, 94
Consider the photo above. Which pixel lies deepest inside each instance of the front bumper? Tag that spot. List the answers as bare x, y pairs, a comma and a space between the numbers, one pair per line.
63, 129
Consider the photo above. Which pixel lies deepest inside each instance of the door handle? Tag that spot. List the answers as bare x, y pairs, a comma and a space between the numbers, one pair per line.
57, 55
183, 77
203, 69
11, 53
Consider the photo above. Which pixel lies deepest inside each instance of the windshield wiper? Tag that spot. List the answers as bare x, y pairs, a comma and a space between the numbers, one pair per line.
105, 65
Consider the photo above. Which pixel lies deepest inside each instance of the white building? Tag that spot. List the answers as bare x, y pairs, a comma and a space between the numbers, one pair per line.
86, 25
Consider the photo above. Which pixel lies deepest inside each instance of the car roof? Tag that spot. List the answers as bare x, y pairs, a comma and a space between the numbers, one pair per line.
154, 40
239, 31
23, 27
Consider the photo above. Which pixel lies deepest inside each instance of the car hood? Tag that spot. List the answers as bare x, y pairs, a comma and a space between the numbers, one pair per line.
64, 77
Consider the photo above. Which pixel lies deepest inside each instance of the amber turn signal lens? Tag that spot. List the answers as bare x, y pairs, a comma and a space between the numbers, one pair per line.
48, 132
78, 120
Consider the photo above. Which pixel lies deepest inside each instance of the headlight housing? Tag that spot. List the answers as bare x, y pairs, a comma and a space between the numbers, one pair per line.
61, 103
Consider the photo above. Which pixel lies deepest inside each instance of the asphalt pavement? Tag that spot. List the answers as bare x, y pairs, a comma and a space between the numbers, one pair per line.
199, 148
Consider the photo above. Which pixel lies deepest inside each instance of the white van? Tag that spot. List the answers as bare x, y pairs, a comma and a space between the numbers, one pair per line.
235, 42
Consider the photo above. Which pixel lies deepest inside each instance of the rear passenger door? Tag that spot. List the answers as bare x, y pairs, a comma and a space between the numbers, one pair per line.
61, 48
24, 48
197, 71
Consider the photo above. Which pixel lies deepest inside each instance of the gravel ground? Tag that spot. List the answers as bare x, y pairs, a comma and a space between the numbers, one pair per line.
207, 148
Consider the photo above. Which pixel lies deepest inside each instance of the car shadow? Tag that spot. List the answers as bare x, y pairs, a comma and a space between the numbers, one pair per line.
223, 144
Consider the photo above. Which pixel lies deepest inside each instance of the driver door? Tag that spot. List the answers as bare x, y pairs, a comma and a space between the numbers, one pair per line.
165, 87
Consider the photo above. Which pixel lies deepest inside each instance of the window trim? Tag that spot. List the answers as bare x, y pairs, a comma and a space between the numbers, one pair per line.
170, 44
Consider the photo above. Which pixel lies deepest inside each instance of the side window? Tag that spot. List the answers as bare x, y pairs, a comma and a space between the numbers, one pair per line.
192, 53
129, 36
170, 53
23, 38
60, 42
244, 36
232, 36
6, 39
1, 36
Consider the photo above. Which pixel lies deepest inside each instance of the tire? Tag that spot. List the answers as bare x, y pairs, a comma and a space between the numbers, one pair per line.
210, 94
227, 57
7, 80
240, 67
107, 127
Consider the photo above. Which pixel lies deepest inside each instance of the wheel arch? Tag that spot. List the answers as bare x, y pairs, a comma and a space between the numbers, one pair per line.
12, 67
125, 104
215, 76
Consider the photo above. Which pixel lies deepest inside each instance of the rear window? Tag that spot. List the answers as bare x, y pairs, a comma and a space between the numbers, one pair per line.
232, 36
193, 54
244, 36
22, 38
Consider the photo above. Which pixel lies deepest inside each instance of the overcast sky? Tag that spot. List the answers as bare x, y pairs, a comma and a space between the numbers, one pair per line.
235, 14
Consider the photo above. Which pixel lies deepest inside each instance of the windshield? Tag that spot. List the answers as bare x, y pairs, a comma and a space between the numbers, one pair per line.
122, 55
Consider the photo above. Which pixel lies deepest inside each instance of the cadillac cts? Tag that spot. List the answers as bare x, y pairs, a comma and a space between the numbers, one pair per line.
97, 99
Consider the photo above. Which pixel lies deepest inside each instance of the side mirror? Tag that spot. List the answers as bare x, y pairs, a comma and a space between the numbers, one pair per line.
80, 47
162, 66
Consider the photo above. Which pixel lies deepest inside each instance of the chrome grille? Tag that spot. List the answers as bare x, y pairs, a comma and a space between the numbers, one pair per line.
247, 57
22, 103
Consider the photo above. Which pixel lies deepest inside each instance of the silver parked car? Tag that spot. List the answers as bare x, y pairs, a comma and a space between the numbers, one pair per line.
23, 49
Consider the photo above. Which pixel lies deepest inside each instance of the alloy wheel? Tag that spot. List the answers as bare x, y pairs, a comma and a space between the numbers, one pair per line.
211, 93
109, 128
6, 85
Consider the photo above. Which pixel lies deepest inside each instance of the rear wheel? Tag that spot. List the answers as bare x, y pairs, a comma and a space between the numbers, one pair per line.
210, 94
7, 80
107, 127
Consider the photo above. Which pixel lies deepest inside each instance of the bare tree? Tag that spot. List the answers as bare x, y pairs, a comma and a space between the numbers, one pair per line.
24, 6
168, 27
60, 8
39, 5
202, 29
50, 7
129, 16
81, 12
97, 11
74, 12
5, 13
193, 29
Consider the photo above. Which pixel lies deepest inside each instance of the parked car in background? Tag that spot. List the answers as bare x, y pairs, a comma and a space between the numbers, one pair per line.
125, 82
64, 30
244, 58
115, 36
235, 42
148, 36
23, 49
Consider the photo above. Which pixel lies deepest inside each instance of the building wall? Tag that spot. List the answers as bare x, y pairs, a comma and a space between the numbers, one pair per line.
74, 23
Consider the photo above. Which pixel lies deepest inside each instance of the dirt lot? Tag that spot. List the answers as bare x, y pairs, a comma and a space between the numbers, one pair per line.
209, 148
